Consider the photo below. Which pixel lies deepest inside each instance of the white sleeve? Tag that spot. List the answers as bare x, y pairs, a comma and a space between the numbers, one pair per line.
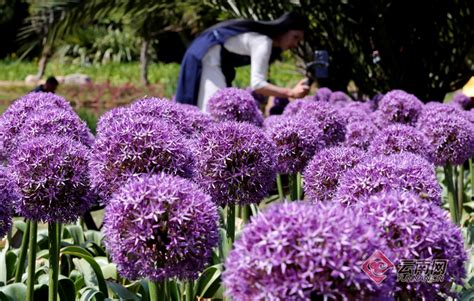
260, 51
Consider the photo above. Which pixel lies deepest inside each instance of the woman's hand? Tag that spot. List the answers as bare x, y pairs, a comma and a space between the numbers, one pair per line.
300, 90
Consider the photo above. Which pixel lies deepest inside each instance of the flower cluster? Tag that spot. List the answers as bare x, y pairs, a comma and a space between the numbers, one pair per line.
462, 100
300, 251
295, 106
321, 176
416, 229
449, 132
7, 197
339, 97
360, 134
50, 175
296, 142
403, 171
235, 163
399, 138
323, 94
159, 227
232, 104
17, 113
355, 111
133, 145
398, 106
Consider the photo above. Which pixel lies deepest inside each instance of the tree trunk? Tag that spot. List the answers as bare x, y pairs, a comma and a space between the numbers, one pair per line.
144, 61
43, 61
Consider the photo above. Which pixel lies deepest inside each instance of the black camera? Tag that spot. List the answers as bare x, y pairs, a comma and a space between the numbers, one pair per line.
318, 68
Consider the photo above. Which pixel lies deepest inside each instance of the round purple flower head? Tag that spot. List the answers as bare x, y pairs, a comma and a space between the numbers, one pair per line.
417, 230
398, 106
375, 100
232, 104
355, 111
323, 94
399, 138
296, 142
403, 171
7, 197
462, 101
321, 176
57, 122
134, 145
327, 118
300, 251
295, 106
339, 96
360, 134
449, 132
159, 227
17, 113
49, 173
235, 163
198, 120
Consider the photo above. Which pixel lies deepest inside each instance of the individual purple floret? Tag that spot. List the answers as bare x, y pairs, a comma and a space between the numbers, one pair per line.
56, 122
326, 117
339, 96
18, 112
418, 230
134, 145
399, 138
296, 142
403, 171
7, 197
235, 163
232, 104
159, 227
323, 94
50, 175
398, 106
321, 176
449, 132
360, 134
462, 101
301, 251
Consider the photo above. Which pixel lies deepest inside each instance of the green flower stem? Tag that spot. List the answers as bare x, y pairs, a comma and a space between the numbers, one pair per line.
245, 213
471, 172
30, 282
189, 291
460, 190
53, 235
157, 291
23, 251
299, 186
231, 221
453, 208
281, 195
293, 186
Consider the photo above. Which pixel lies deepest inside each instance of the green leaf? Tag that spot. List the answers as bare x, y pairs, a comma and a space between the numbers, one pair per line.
66, 289
94, 236
20, 225
85, 255
10, 260
122, 292
13, 292
209, 282
173, 289
90, 293
3, 264
76, 233
40, 292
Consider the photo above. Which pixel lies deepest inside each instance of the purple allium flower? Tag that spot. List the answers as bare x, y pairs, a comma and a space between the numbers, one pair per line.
398, 106
416, 229
112, 116
7, 197
296, 142
403, 171
327, 118
232, 104
399, 138
375, 100
57, 122
360, 134
198, 120
134, 145
462, 101
17, 113
355, 111
321, 176
301, 251
295, 106
339, 96
159, 227
235, 163
49, 173
449, 132
323, 94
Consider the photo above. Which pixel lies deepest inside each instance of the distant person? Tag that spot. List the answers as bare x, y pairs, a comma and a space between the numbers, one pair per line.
49, 86
209, 63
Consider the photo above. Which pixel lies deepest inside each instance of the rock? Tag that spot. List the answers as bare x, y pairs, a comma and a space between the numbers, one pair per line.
76, 79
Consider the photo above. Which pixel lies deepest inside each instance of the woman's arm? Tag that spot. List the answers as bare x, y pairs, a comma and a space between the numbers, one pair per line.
300, 90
